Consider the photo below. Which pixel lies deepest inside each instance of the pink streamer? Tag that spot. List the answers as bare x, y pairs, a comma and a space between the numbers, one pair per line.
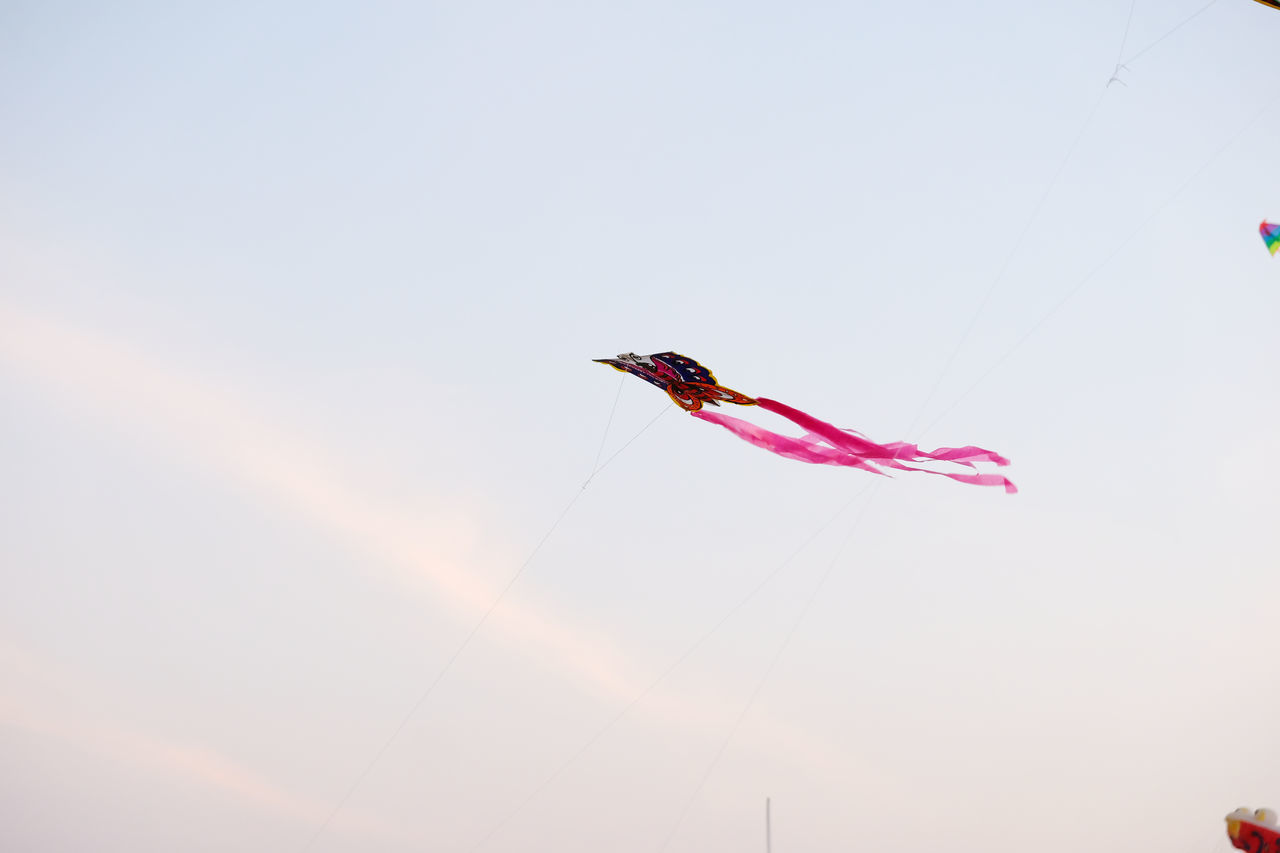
853, 450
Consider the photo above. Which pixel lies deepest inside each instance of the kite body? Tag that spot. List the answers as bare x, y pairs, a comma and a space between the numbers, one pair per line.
1254, 831
1271, 236
686, 382
690, 385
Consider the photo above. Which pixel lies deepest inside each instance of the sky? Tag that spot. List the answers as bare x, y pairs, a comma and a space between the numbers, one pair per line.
297, 310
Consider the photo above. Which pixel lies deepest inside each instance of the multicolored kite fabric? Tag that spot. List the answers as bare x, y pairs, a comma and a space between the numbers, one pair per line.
690, 385
1254, 831
1271, 236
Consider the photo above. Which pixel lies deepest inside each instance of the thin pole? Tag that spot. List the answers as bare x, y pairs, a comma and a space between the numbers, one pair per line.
768, 828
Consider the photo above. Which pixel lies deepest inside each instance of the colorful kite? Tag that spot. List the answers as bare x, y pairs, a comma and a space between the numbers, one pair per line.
690, 385
1271, 236
1274, 4
1254, 831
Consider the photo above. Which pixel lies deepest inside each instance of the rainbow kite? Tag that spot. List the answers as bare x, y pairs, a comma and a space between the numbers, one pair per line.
1271, 236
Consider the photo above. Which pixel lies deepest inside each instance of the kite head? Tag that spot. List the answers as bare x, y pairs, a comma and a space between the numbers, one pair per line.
644, 366
686, 382
645, 361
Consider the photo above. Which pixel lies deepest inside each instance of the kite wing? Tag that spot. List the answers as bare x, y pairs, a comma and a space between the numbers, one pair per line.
690, 384
1254, 831
1270, 232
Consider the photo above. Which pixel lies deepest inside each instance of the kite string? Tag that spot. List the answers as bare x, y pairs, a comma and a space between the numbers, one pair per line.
1026, 229
1109, 257
1044, 318
937, 383
777, 656
440, 675
1186, 21
681, 658
627, 444
1120, 63
466, 641
1124, 39
964, 337
1115, 75
750, 595
608, 424
1004, 267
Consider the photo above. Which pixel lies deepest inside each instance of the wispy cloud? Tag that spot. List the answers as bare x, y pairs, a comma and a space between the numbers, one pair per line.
42, 698
213, 428
216, 430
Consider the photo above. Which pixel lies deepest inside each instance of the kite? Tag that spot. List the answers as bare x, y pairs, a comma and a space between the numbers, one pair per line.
1274, 4
1270, 235
690, 386
1254, 831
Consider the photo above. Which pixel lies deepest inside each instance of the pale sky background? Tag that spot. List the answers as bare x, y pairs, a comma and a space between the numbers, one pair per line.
297, 312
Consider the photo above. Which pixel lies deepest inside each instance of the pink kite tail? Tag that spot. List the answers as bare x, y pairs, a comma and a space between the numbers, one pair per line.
801, 449
849, 449
972, 479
